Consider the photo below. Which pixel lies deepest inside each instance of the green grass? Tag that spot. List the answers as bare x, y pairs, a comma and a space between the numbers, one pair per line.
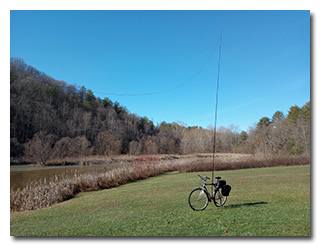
263, 202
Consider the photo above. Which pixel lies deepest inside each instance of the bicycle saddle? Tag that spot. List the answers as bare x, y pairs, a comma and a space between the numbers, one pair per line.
218, 177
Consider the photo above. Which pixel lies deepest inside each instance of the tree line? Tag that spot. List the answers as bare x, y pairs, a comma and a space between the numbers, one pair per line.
51, 119
282, 134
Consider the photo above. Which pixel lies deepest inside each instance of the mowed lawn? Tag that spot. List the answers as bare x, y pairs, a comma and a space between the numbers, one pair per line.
263, 202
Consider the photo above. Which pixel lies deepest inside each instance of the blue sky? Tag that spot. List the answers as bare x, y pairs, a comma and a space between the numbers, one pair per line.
265, 59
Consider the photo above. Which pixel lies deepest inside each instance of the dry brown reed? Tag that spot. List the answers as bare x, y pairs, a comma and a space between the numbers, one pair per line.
61, 188
243, 162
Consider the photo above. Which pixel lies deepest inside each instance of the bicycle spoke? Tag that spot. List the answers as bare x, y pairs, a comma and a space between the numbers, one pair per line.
198, 199
219, 199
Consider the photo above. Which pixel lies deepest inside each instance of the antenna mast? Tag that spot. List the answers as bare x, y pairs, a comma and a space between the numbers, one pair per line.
216, 111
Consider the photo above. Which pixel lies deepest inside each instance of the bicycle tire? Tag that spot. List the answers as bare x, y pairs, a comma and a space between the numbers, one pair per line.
218, 199
198, 199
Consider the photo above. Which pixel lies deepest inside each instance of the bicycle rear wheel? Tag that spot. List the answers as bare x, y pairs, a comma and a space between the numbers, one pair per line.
219, 199
198, 199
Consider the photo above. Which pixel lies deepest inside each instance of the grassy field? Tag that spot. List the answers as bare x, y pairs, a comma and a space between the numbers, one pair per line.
263, 202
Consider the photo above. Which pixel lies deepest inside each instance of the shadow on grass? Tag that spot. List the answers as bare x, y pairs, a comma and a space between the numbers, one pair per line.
245, 204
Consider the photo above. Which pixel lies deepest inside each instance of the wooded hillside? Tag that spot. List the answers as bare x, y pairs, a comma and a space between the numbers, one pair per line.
51, 119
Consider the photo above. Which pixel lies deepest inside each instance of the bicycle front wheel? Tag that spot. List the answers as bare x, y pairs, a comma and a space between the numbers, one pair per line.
219, 199
198, 199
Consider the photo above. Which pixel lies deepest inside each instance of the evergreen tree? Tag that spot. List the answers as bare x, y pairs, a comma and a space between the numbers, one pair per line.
293, 114
277, 116
264, 121
242, 138
306, 111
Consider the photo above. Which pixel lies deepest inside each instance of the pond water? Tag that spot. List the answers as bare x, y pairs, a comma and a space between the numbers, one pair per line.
20, 176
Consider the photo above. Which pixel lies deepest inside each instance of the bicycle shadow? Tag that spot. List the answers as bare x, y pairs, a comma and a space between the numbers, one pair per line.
245, 204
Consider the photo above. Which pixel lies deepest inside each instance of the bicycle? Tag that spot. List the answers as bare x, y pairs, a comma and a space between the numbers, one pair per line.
200, 197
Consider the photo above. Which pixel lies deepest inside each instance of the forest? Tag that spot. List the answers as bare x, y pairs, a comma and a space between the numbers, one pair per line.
51, 119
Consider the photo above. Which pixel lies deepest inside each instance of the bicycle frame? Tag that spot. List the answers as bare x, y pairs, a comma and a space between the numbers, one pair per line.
204, 188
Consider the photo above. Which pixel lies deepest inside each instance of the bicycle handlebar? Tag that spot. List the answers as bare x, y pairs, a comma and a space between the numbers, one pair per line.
204, 178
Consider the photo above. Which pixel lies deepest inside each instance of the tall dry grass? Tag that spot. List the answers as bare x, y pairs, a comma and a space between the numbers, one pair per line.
61, 188
242, 162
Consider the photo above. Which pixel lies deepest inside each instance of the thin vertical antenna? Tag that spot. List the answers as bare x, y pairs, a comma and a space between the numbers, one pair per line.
216, 113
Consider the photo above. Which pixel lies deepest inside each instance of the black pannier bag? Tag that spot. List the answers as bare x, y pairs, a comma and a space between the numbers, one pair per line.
226, 190
221, 184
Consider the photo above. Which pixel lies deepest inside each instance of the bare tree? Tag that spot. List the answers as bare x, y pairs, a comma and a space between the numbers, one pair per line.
80, 147
63, 148
107, 144
40, 148
134, 148
228, 138
150, 146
